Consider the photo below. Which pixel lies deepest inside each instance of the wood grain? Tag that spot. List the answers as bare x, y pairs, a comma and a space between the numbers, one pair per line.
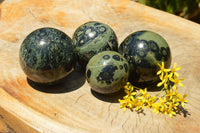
71, 106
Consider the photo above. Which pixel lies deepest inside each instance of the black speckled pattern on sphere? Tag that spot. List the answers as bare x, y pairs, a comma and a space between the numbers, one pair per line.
91, 38
107, 72
47, 55
143, 51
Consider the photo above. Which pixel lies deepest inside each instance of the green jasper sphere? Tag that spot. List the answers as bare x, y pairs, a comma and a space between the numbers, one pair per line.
91, 38
143, 51
47, 55
107, 72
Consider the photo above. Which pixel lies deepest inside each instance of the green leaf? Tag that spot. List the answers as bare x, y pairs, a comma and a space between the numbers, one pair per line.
174, 6
142, 1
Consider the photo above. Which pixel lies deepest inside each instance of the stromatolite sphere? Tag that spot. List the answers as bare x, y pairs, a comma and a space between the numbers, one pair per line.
47, 55
107, 72
143, 51
91, 38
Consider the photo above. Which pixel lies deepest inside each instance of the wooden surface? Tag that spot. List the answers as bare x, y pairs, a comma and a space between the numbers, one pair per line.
72, 107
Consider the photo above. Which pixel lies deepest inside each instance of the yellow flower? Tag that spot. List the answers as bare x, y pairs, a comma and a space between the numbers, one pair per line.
123, 104
170, 112
162, 104
163, 80
173, 71
128, 83
134, 102
156, 108
165, 77
182, 99
130, 95
176, 93
139, 105
150, 102
144, 96
128, 87
167, 104
174, 104
162, 69
144, 93
169, 94
166, 86
176, 82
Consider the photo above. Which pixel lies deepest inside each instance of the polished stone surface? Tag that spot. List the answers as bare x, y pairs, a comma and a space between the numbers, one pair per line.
47, 55
91, 38
144, 50
107, 72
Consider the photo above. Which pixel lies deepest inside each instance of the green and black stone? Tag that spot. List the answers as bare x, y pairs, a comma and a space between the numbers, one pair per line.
107, 72
47, 55
91, 38
143, 51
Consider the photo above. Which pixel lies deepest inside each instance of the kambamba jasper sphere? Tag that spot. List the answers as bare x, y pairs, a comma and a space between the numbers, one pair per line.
143, 51
47, 55
91, 38
107, 72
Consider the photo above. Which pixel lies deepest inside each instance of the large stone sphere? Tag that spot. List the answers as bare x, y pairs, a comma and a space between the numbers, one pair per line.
143, 51
47, 55
91, 38
107, 72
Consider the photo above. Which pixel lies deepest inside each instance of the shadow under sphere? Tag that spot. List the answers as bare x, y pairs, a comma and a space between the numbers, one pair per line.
111, 98
70, 83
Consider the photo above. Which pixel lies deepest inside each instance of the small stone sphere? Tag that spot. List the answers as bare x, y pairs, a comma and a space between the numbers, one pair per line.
91, 38
107, 72
47, 55
143, 51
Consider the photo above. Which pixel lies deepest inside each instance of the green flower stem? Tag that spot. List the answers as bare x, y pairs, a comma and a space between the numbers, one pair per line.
136, 87
159, 94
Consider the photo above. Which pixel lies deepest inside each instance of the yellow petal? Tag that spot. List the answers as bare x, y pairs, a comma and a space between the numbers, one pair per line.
176, 74
171, 79
167, 70
174, 87
180, 84
174, 113
163, 64
178, 68
185, 95
159, 84
182, 104
170, 115
174, 66
167, 91
120, 106
159, 72
160, 99
125, 87
154, 110
133, 93
176, 104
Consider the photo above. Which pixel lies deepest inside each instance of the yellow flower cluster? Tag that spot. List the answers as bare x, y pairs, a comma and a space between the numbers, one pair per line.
168, 104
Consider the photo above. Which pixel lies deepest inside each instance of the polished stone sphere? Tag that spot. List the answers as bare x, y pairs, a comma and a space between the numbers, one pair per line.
107, 72
47, 55
143, 51
91, 38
